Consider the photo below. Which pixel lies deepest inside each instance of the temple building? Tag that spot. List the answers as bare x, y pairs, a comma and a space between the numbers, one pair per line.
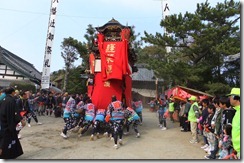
14, 68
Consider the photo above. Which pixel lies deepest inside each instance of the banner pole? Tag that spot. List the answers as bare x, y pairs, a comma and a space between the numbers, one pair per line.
45, 81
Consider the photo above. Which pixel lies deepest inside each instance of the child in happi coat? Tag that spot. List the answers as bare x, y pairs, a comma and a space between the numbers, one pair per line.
152, 104
90, 109
108, 125
116, 111
138, 107
131, 117
81, 111
98, 120
68, 114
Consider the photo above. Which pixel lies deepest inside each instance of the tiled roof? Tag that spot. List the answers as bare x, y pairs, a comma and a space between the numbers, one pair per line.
144, 74
19, 65
110, 23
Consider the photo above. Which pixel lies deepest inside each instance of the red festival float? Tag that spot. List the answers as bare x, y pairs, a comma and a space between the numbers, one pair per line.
111, 65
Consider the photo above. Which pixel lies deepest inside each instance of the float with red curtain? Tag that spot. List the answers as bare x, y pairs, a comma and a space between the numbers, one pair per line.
111, 65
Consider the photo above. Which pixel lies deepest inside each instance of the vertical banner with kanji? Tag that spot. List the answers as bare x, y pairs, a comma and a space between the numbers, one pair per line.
166, 12
45, 82
114, 59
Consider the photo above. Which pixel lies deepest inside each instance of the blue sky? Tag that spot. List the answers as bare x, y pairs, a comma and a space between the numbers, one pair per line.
24, 23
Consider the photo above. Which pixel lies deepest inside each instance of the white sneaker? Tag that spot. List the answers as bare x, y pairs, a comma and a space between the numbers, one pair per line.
63, 135
160, 126
39, 123
205, 146
164, 128
120, 142
29, 125
116, 146
138, 135
207, 157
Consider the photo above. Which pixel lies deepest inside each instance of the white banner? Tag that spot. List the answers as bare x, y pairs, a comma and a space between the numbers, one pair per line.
45, 82
166, 12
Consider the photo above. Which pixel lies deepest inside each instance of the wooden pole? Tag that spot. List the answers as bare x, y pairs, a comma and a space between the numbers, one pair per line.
156, 83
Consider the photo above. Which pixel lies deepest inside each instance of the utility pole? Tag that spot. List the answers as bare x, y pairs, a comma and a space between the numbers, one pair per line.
156, 83
165, 13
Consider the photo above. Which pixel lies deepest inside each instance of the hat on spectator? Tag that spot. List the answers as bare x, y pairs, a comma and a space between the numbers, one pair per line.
235, 91
193, 98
